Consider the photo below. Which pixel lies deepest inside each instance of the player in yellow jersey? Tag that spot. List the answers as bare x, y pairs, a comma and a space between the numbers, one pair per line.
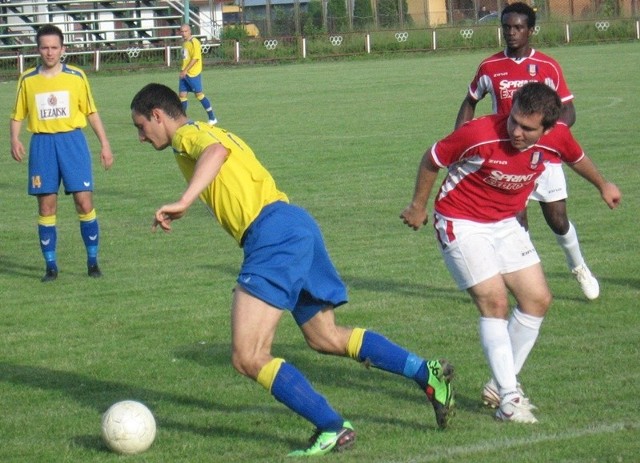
57, 102
286, 267
191, 73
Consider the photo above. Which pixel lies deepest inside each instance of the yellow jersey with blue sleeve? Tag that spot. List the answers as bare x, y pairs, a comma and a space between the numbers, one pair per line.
191, 49
54, 104
242, 188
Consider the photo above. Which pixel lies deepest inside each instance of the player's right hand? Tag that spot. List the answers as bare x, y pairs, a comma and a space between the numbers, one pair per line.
167, 214
17, 151
414, 217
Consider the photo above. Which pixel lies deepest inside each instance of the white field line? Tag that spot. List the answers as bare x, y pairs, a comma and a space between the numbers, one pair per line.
504, 444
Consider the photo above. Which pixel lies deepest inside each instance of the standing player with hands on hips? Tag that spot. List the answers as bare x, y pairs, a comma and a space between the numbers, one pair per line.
500, 75
493, 163
286, 268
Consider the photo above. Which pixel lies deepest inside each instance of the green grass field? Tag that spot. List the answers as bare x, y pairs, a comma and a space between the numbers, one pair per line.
343, 139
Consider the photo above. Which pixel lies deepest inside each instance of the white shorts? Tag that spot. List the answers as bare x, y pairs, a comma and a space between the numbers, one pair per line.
551, 185
474, 252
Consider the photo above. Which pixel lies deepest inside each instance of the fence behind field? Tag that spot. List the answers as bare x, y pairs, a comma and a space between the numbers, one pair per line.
128, 34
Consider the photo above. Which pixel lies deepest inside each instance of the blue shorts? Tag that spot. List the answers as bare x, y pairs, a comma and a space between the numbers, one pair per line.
286, 263
59, 157
190, 84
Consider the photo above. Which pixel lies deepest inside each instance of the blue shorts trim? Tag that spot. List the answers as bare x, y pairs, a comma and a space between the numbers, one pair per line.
286, 263
56, 158
190, 84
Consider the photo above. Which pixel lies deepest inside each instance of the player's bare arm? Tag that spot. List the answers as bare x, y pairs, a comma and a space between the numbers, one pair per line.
183, 73
17, 148
106, 156
467, 111
415, 214
568, 114
209, 164
608, 191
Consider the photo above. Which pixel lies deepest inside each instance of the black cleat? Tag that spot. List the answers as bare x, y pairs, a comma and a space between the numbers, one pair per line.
94, 271
50, 275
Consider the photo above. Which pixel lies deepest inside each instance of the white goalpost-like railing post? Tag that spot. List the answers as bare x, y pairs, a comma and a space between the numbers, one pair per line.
167, 55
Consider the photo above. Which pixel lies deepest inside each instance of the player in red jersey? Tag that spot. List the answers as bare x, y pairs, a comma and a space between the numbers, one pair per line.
493, 164
500, 75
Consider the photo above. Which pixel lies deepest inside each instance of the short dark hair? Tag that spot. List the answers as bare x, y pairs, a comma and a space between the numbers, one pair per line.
539, 98
159, 96
523, 9
49, 29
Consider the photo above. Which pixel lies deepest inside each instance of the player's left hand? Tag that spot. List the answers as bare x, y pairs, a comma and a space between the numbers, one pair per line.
106, 158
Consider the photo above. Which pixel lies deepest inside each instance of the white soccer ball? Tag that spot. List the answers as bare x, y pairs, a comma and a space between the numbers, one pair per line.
128, 427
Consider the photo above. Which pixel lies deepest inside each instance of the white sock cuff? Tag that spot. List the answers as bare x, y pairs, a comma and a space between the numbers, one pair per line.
569, 237
529, 321
491, 321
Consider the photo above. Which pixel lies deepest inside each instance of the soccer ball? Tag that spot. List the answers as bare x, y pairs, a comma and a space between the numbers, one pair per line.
128, 427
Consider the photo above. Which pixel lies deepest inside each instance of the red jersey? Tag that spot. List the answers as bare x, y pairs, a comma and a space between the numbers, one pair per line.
501, 76
489, 180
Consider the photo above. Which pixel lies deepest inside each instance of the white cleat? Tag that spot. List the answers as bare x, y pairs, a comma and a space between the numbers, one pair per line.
588, 282
213, 121
491, 396
513, 409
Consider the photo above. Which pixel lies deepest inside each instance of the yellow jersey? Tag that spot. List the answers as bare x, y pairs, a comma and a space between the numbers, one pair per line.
242, 188
54, 104
191, 49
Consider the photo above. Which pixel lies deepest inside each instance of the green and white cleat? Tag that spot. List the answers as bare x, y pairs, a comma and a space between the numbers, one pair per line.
327, 441
439, 391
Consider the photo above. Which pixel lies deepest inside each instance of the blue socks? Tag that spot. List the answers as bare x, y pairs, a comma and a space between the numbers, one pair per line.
48, 235
388, 356
206, 104
90, 235
292, 389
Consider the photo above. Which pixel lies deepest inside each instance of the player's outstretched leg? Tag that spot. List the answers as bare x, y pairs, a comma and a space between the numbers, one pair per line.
433, 377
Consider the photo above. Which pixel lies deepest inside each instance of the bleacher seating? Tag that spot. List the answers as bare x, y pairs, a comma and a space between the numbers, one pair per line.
90, 24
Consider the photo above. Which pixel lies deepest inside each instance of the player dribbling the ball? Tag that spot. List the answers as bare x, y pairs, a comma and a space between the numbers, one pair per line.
286, 268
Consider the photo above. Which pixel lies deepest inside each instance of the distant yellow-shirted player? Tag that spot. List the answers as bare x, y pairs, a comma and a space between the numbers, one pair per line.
191, 73
56, 101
